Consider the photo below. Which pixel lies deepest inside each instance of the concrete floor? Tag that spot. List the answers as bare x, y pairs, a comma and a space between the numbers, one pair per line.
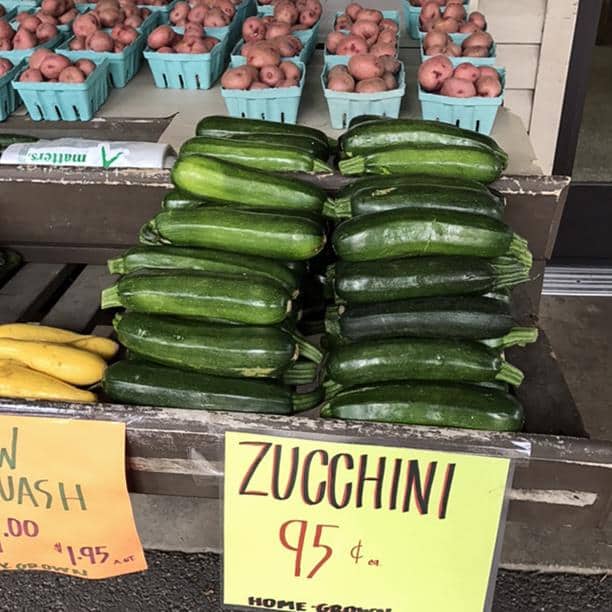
594, 153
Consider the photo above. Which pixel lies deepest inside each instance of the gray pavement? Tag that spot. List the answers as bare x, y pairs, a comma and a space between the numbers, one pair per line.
186, 583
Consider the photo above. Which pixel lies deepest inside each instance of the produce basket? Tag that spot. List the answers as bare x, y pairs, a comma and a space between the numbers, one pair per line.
477, 61
9, 100
66, 101
412, 15
188, 70
344, 106
476, 113
19, 55
274, 104
19, 5
121, 66
308, 38
10, 13
245, 9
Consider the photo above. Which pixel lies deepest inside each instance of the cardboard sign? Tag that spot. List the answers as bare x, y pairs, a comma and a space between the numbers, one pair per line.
336, 527
64, 505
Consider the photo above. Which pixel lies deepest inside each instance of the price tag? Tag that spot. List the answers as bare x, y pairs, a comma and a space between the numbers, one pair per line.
341, 527
64, 505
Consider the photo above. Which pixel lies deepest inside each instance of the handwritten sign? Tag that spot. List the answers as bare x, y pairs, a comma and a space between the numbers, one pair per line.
64, 505
340, 527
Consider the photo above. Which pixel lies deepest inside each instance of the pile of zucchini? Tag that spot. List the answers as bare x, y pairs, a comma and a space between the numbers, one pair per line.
421, 314
212, 293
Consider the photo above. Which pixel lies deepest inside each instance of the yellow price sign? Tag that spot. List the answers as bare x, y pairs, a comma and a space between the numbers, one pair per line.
64, 504
342, 527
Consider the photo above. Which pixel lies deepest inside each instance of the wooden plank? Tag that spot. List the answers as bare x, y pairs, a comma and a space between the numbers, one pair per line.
78, 306
521, 64
520, 102
29, 288
557, 40
519, 22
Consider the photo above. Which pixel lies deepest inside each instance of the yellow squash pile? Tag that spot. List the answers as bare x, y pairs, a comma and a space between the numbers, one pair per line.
48, 363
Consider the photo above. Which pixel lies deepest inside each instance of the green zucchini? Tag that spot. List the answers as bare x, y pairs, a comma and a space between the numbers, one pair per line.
178, 199
267, 157
216, 126
394, 359
440, 405
466, 317
401, 279
517, 336
9, 261
406, 232
191, 293
206, 260
263, 234
447, 161
373, 135
149, 384
216, 180
431, 197
8, 139
361, 119
212, 348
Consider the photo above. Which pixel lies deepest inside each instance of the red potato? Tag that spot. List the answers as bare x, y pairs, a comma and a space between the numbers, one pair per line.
288, 83
388, 25
134, 21
468, 28
165, 50
254, 72
368, 30
488, 71
352, 45
478, 19
71, 74
478, 39
85, 66
278, 28
2, 11
447, 25
458, 88
5, 65
215, 18
287, 46
44, 18
353, 9
476, 52
259, 85
5, 44
436, 50
456, 11
210, 42
453, 50
162, 36
67, 17
309, 18
179, 12
101, 42
286, 11
225, 6
52, 65
390, 64
24, 39
435, 39
290, 71
434, 71
199, 47
193, 30
197, 15
370, 15
126, 35
54, 8
343, 22
31, 75
253, 29
374, 85
340, 81
236, 78
467, 71
20, 17
365, 66
430, 11
77, 44
390, 81
109, 17
338, 69
45, 32
387, 37
6, 32
261, 56
449, 2
30, 23
382, 50
488, 87
85, 25
333, 40
271, 75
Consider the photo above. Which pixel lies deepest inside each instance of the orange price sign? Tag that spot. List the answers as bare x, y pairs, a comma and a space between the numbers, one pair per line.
64, 505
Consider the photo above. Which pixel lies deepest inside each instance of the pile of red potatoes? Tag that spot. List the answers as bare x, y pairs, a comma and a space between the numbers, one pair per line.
452, 19
477, 44
46, 66
194, 40
30, 33
299, 14
206, 13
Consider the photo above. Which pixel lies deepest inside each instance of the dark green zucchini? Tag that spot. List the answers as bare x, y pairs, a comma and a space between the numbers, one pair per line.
396, 359
249, 232
361, 119
206, 260
178, 199
8, 139
220, 350
9, 261
466, 317
401, 279
212, 179
481, 165
373, 135
406, 232
149, 384
439, 405
216, 126
250, 300
267, 157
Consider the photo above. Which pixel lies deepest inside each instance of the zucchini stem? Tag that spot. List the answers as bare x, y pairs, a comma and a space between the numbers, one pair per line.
116, 266
110, 297
306, 349
337, 208
300, 373
519, 248
320, 167
518, 336
332, 322
306, 401
352, 166
332, 388
510, 374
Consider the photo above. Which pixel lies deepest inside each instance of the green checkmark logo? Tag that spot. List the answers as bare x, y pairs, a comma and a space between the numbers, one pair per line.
107, 161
